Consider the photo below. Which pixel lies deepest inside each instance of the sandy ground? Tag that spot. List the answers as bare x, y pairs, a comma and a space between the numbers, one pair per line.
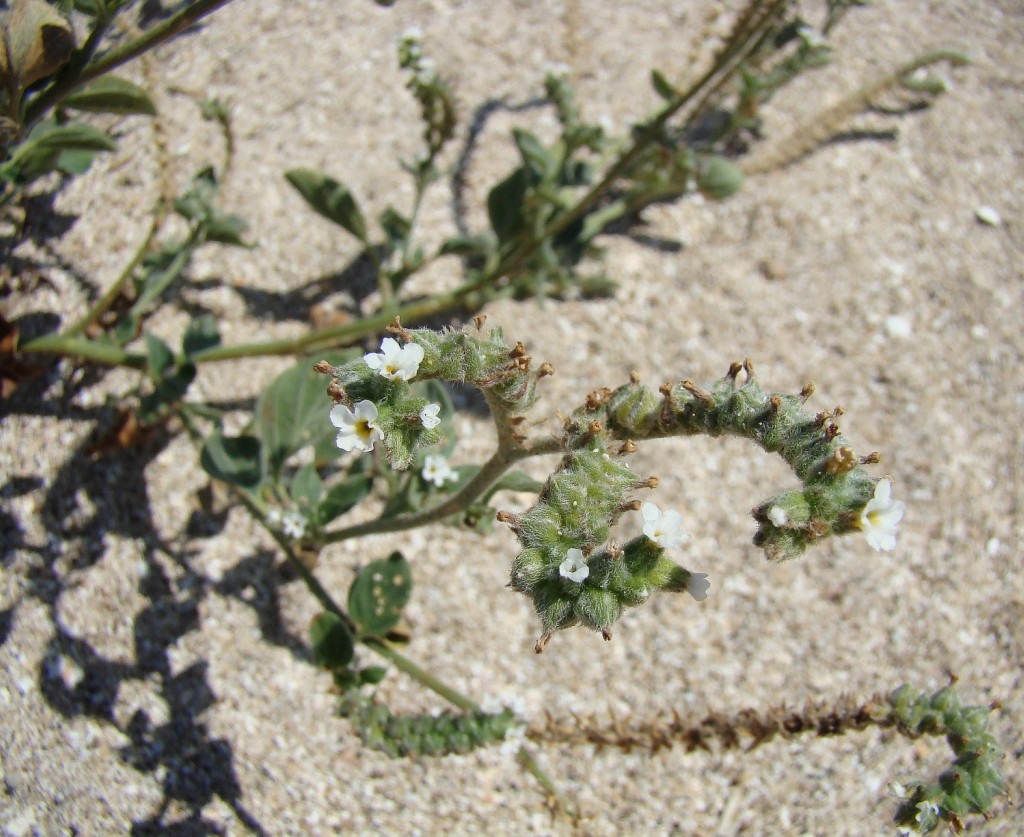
155, 675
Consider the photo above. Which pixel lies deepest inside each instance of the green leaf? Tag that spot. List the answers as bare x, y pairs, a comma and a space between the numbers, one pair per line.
396, 227
200, 335
379, 593
663, 87
307, 487
233, 459
41, 152
75, 162
539, 160
467, 245
170, 264
372, 675
332, 643
225, 229
170, 388
342, 497
159, 354
505, 204
329, 198
293, 413
111, 94
517, 481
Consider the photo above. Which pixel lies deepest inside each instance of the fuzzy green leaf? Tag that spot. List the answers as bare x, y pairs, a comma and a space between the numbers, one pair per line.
379, 593
333, 647
201, 334
110, 94
342, 497
329, 198
235, 460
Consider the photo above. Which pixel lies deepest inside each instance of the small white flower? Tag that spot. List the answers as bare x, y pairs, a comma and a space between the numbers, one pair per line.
664, 528
778, 516
395, 362
358, 430
810, 37
429, 417
274, 517
413, 33
697, 586
898, 790
880, 517
437, 470
294, 524
574, 567
515, 738
926, 808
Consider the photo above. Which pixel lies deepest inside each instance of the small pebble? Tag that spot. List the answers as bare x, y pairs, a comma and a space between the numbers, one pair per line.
988, 215
897, 326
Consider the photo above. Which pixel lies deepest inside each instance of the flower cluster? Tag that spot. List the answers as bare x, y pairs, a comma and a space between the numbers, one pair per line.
437, 470
359, 426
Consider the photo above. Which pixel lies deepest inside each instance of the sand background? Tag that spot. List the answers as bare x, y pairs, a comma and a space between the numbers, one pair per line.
155, 676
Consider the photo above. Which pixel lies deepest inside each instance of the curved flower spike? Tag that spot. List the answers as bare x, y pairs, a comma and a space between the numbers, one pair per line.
574, 567
395, 362
880, 517
665, 528
358, 430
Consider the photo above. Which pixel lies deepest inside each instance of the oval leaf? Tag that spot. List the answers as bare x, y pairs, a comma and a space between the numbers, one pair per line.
330, 198
110, 94
379, 593
235, 460
332, 643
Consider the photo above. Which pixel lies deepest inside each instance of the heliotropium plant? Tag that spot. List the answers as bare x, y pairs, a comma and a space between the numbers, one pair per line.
306, 462
384, 426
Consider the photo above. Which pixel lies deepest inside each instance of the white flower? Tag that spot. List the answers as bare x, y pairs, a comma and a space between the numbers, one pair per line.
697, 586
437, 470
898, 790
664, 528
574, 567
429, 417
358, 430
778, 516
514, 740
294, 524
880, 517
394, 361
811, 38
926, 808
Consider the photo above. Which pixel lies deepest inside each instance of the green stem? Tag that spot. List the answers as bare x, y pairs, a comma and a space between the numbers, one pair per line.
103, 304
105, 354
150, 39
529, 761
424, 677
490, 472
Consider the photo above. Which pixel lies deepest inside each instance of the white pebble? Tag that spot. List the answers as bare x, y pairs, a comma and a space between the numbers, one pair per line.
897, 326
988, 215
